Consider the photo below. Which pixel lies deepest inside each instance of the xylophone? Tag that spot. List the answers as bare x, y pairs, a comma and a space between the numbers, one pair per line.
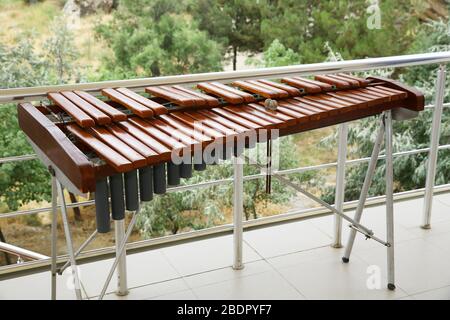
127, 146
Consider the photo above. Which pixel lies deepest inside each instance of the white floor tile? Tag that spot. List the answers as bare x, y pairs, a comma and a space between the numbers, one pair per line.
200, 256
322, 275
420, 266
437, 294
181, 295
142, 268
227, 273
152, 291
267, 285
286, 238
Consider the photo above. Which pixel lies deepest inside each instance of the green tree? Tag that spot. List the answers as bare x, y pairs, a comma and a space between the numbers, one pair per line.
305, 26
22, 65
235, 24
153, 38
409, 171
276, 55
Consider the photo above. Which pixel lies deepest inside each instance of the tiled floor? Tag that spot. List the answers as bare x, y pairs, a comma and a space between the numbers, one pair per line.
290, 261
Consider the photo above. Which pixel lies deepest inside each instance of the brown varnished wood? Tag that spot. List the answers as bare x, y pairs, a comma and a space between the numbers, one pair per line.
134, 106
198, 125
362, 82
133, 142
157, 134
307, 87
118, 145
99, 117
113, 113
323, 85
112, 157
247, 97
210, 101
414, 101
351, 82
161, 149
280, 93
293, 92
339, 84
253, 115
240, 120
190, 126
80, 117
55, 144
311, 112
157, 108
223, 123
186, 129
277, 114
224, 94
261, 89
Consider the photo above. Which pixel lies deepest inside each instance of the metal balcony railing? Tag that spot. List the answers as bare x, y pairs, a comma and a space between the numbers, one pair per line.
39, 93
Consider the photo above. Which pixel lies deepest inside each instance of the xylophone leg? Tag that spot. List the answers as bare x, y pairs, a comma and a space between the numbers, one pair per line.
69, 242
238, 208
122, 287
365, 188
340, 184
389, 201
54, 247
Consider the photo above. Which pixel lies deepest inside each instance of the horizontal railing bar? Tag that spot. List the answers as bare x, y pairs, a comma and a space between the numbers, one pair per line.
12, 271
229, 180
36, 93
21, 252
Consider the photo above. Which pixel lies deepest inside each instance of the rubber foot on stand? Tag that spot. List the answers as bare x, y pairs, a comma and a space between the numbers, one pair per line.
345, 260
391, 286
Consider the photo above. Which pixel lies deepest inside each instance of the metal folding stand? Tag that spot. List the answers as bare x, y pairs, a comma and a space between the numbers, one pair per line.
385, 128
121, 238
340, 184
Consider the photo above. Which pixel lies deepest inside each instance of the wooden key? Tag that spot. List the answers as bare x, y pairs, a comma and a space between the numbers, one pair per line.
196, 125
312, 112
218, 122
331, 110
255, 116
118, 145
116, 115
261, 89
353, 83
339, 84
242, 121
305, 86
157, 133
96, 114
292, 91
177, 98
362, 82
186, 129
147, 139
136, 107
287, 119
224, 94
158, 109
76, 113
116, 160
211, 101
134, 143
247, 97
324, 86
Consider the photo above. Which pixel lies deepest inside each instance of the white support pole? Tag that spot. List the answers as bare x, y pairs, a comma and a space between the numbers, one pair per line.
54, 236
69, 242
238, 210
434, 144
340, 184
122, 287
389, 201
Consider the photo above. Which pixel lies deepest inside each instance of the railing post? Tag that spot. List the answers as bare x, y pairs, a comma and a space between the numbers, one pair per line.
434, 144
238, 210
340, 184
